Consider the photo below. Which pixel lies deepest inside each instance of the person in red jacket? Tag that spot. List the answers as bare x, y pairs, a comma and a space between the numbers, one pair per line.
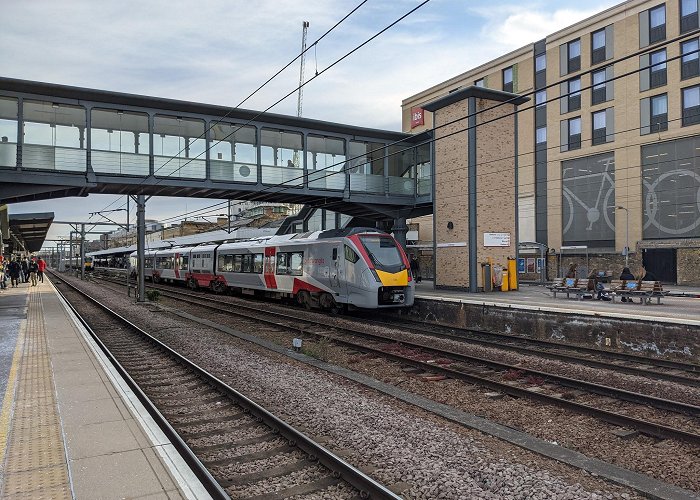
42, 266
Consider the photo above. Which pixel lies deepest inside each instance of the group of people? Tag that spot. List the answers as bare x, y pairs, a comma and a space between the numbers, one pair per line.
21, 270
595, 285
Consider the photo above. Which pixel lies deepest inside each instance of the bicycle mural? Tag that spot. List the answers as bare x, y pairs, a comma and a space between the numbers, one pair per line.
588, 200
671, 189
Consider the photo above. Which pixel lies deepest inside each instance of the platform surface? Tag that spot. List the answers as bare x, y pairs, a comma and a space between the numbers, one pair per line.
69, 425
674, 309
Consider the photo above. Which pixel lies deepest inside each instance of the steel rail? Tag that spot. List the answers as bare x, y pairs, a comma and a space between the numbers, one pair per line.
368, 487
650, 428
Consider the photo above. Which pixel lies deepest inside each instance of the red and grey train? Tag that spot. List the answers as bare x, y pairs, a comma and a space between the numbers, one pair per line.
334, 269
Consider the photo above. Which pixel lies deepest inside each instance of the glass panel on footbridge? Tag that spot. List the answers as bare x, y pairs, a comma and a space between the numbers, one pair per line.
119, 142
424, 171
179, 148
233, 153
54, 137
402, 170
8, 132
281, 157
366, 167
325, 161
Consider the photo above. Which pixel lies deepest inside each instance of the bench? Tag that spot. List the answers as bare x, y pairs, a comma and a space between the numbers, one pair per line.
569, 286
645, 290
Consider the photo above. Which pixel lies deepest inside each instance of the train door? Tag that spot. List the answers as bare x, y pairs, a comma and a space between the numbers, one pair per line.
269, 268
337, 270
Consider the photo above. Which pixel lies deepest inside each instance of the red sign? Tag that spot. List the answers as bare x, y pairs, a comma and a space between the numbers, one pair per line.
416, 117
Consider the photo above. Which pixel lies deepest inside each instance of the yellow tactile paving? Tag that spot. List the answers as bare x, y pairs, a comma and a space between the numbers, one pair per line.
35, 462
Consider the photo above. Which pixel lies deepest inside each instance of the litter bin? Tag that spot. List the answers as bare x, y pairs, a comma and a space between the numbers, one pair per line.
486, 276
504, 282
512, 274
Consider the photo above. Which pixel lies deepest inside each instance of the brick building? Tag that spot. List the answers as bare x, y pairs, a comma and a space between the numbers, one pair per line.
607, 146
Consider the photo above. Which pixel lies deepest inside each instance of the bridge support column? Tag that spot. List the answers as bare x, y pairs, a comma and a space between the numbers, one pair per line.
400, 229
82, 251
141, 245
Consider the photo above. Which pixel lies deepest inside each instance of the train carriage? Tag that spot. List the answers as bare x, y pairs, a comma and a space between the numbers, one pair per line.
331, 270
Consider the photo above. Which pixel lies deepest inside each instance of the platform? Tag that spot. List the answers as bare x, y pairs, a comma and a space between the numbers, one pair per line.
69, 425
674, 309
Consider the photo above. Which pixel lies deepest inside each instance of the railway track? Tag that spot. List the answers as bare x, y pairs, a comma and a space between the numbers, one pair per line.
235, 446
600, 401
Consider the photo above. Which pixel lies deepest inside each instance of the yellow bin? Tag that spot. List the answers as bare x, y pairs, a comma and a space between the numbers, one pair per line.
512, 274
504, 283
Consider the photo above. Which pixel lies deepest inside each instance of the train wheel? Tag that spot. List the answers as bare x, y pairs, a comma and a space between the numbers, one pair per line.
192, 284
328, 303
304, 299
155, 278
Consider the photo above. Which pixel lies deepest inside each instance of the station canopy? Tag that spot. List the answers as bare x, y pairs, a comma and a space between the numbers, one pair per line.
28, 231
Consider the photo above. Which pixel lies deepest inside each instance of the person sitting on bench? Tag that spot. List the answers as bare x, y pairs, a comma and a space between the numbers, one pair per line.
626, 275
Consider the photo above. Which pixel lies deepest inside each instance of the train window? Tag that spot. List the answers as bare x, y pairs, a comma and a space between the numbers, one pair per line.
296, 262
220, 264
282, 263
258, 263
184, 262
247, 266
350, 255
237, 261
229, 263
149, 262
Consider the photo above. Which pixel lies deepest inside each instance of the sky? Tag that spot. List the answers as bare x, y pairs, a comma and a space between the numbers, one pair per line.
219, 51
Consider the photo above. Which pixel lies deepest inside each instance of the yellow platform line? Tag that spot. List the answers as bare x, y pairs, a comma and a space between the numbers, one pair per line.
7, 401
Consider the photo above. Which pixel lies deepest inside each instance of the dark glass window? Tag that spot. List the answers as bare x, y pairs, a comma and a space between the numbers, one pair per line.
690, 62
657, 23
541, 135
599, 91
659, 113
599, 128
574, 94
689, 15
540, 63
598, 46
508, 79
657, 74
479, 82
540, 98
575, 133
574, 53
691, 105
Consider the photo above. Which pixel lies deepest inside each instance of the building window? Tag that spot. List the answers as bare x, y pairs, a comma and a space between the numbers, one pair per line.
689, 15
574, 94
508, 79
690, 63
602, 126
691, 105
598, 46
654, 114
480, 83
573, 50
540, 63
571, 134
541, 135
599, 91
658, 69
657, 24
540, 98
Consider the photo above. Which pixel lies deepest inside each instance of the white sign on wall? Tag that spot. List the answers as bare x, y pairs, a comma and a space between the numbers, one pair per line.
496, 239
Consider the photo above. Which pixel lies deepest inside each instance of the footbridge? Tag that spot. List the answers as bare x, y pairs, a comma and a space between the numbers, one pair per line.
58, 141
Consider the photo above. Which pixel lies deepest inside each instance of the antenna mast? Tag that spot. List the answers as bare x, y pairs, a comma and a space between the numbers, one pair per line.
301, 69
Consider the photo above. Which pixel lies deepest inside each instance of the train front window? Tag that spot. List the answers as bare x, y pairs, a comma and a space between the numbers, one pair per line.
383, 253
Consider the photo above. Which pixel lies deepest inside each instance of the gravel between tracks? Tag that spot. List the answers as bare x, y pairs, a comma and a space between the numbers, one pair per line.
396, 441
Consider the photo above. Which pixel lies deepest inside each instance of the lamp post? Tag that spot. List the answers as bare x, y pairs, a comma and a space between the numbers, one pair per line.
627, 234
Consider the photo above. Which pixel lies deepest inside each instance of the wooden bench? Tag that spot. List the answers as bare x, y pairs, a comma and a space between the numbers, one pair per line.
646, 291
578, 287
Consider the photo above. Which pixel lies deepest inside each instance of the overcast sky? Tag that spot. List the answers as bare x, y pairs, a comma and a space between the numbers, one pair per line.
219, 51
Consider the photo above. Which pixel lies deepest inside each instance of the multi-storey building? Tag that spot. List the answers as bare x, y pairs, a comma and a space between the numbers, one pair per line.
608, 145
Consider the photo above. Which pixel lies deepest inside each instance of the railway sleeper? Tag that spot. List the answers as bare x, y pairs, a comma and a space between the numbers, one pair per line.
210, 448
252, 457
254, 477
299, 490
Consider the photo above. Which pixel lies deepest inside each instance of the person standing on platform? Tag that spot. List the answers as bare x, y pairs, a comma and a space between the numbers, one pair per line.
415, 268
33, 268
15, 269
42, 268
25, 270
3, 283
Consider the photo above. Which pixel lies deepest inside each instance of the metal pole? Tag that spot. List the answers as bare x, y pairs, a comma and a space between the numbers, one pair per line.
127, 214
627, 238
229, 216
82, 251
70, 252
141, 245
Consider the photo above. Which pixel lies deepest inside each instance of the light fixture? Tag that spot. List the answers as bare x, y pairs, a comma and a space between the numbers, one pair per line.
450, 225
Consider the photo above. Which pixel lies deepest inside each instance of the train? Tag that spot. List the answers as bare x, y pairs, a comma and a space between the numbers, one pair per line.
74, 263
333, 270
